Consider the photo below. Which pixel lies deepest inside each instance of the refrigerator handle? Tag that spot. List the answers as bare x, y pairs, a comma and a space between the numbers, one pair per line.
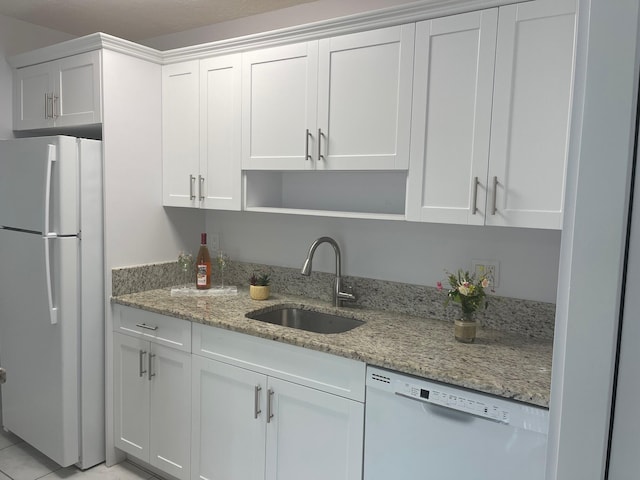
51, 157
53, 310
48, 235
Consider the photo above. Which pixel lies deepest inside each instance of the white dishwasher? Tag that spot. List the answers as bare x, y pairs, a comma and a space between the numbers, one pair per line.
418, 429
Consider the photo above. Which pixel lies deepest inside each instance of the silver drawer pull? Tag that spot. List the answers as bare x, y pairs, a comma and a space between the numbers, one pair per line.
495, 190
474, 208
151, 374
141, 369
269, 405
201, 187
256, 401
145, 326
307, 155
320, 135
192, 180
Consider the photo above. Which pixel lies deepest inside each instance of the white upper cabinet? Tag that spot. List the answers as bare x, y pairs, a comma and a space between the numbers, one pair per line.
364, 100
60, 93
531, 114
220, 128
201, 133
341, 103
451, 122
489, 141
279, 100
180, 134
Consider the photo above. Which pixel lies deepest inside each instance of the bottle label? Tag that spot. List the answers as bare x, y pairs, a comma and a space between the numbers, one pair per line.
201, 276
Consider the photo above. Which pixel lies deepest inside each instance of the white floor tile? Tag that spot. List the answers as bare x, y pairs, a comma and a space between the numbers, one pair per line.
7, 439
4, 477
122, 471
23, 462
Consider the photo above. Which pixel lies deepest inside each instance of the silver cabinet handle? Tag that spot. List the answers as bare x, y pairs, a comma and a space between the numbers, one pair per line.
55, 111
493, 202
148, 327
151, 374
256, 401
48, 105
141, 369
200, 187
192, 195
307, 156
320, 135
474, 208
269, 405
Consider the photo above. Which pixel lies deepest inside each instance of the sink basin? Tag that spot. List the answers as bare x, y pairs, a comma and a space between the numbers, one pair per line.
309, 320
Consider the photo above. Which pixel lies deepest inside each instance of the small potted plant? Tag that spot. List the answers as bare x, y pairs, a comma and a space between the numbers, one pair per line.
259, 286
468, 291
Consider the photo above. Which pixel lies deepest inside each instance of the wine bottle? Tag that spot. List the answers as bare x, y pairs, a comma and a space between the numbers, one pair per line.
203, 262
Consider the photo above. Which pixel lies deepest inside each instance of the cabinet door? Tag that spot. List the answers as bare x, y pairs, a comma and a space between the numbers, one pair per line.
32, 94
279, 92
313, 435
531, 112
220, 125
131, 395
77, 97
180, 134
453, 86
364, 100
170, 411
229, 409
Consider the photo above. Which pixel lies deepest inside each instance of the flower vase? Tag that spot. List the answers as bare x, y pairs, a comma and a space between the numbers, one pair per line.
465, 328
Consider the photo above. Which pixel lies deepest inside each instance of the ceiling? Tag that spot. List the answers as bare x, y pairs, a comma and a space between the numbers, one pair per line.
135, 20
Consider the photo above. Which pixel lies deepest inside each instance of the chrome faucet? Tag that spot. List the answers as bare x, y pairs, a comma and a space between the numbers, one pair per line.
339, 297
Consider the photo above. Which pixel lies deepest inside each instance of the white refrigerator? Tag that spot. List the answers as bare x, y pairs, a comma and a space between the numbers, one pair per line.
52, 296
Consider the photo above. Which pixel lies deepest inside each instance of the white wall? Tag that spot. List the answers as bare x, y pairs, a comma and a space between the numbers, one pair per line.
395, 250
286, 17
17, 37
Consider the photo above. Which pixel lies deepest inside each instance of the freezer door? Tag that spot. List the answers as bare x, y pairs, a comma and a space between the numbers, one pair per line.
40, 396
39, 180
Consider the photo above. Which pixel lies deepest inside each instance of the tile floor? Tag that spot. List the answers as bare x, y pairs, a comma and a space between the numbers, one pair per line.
20, 461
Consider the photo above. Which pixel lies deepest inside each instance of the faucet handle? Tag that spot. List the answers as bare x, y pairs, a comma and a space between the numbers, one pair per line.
346, 294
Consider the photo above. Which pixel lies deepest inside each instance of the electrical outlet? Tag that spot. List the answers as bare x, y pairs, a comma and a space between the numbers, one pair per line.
489, 269
214, 243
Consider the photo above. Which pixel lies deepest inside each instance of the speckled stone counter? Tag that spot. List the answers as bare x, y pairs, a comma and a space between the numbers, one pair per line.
499, 363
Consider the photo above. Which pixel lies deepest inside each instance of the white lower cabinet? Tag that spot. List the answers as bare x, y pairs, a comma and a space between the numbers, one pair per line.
249, 424
312, 434
228, 434
152, 408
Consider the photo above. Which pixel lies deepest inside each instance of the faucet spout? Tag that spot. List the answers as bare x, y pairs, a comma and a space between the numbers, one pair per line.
338, 295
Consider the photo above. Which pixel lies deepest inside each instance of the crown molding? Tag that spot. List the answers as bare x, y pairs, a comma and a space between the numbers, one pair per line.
409, 13
95, 41
413, 12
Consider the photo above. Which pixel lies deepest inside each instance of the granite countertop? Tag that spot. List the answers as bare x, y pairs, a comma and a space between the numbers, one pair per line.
499, 363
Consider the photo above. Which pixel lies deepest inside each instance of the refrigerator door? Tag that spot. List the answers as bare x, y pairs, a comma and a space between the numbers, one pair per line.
39, 179
40, 396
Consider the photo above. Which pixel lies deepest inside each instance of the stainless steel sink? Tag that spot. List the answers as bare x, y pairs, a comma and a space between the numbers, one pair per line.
303, 319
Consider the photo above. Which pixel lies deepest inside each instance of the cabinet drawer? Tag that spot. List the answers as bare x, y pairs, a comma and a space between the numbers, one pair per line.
169, 331
330, 373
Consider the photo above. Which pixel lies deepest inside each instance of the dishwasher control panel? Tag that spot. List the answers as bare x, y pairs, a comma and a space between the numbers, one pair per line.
453, 400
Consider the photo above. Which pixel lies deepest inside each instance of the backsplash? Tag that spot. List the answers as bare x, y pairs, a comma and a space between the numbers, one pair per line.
524, 317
